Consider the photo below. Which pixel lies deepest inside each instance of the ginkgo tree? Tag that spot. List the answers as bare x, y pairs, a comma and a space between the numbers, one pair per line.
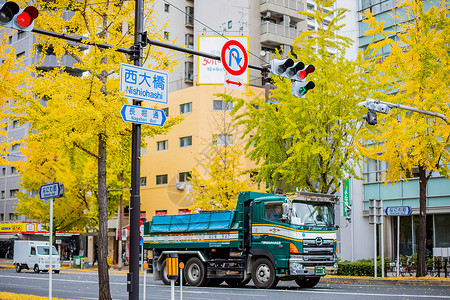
219, 178
414, 73
307, 143
78, 136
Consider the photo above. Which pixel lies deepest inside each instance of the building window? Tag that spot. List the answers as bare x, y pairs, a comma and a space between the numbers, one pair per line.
160, 212
143, 181
14, 170
374, 170
10, 39
15, 124
166, 111
3, 171
184, 176
185, 141
13, 193
189, 15
2, 217
161, 179
21, 54
166, 8
162, 145
2, 195
222, 139
166, 35
189, 71
15, 147
184, 211
21, 34
222, 105
13, 217
189, 40
186, 108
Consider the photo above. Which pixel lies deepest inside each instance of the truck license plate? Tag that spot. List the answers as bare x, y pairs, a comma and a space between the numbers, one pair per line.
320, 270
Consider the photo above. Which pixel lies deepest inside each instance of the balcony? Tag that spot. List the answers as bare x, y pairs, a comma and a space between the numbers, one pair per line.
275, 35
278, 8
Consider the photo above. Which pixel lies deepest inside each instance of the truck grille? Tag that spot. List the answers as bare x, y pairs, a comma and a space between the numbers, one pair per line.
318, 250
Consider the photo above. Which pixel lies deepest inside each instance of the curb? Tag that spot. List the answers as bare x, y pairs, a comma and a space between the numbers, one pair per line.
399, 281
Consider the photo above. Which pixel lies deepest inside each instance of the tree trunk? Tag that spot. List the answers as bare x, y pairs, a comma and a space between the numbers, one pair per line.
103, 275
422, 234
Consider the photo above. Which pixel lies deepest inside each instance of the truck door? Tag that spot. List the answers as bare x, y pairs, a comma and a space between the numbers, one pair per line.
269, 232
32, 257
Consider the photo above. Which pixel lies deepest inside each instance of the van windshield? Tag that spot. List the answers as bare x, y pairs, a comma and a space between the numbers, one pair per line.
312, 214
43, 250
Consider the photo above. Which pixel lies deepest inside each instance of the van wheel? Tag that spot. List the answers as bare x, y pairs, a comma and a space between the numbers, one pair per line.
263, 274
18, 268
195, 272
57, 272
36, 269
308, 282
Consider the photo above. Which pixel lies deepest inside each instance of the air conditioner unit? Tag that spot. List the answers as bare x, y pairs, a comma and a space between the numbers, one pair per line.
180, 186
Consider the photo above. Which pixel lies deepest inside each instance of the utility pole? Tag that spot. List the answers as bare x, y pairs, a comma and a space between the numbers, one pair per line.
135, 198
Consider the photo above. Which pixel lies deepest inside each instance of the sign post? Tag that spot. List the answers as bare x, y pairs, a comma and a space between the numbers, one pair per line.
50, 191
398, 211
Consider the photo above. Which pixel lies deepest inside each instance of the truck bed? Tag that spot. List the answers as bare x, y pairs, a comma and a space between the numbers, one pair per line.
193, 231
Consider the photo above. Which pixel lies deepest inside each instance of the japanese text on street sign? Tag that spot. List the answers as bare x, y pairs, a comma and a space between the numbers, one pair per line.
144, 84
143, 115
52, 190
398, 211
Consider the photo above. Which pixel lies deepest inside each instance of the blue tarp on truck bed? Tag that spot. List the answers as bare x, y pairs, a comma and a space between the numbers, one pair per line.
194, 222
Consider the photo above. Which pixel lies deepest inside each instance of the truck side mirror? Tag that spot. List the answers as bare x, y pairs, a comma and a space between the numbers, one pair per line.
285, 211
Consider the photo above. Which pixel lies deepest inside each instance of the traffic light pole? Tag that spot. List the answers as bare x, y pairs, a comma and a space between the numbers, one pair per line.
135, 198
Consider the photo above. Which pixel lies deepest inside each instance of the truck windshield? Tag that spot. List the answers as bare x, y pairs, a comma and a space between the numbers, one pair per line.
312, 214
43, 250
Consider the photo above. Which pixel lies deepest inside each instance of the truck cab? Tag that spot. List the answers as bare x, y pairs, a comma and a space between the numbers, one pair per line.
297, 235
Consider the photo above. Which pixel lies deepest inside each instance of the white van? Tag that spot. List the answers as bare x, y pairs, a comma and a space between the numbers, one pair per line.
35, 255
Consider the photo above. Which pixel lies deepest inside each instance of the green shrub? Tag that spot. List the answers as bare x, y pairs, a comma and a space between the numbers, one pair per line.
362, 267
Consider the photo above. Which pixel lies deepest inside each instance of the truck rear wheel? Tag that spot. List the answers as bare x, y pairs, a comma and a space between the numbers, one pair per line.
18, 268
263, 274
195, 272
308, 282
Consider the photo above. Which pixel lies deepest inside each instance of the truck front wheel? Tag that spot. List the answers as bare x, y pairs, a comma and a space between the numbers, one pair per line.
263, 274
195, 272
18, 268
36, 269
308, 282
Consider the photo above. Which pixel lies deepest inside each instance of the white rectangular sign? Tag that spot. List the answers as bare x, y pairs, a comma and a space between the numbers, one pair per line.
144, 84
210, 71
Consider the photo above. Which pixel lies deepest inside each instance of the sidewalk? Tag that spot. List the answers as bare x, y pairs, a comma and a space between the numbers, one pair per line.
431, 281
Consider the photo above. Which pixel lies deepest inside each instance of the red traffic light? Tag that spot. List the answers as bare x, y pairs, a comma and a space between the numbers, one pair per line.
27, 16
303, 73
13, 17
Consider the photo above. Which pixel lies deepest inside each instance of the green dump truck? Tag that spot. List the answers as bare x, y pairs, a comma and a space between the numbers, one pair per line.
269, 237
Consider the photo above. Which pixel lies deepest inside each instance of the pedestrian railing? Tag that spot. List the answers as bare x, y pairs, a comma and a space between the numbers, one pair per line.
437, 267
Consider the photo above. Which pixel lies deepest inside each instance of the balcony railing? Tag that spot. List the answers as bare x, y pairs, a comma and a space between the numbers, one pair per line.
279, 31
291, 4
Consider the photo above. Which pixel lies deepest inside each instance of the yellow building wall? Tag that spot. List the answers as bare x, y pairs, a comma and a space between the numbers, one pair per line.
200, 124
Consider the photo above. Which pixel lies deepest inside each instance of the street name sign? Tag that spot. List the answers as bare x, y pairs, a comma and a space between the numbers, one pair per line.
394, 211
51, 190
143, 115
144, 84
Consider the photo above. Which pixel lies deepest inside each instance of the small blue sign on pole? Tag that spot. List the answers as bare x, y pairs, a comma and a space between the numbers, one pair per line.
51, 190
144, 84
143, 115
394, 211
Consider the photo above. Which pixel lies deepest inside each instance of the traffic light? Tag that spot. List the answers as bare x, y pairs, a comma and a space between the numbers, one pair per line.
13, 17
279, 67
371, 117
295, 71
299, 88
